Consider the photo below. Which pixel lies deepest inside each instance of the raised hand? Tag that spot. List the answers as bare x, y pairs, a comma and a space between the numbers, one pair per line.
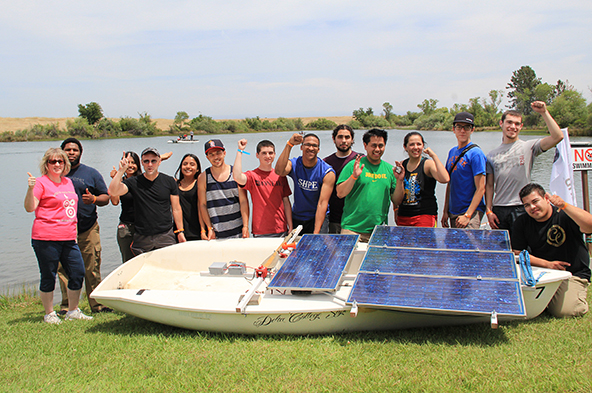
296, 139
357, 167
539, 107
242, 144
32, 180
399, 171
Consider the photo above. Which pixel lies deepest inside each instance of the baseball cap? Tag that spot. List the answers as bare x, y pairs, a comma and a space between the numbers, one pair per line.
213, 144
464, 117
150, 150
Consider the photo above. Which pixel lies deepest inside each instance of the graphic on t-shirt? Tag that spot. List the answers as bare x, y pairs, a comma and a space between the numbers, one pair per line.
412, 190
308, 185
70, 207
556, 236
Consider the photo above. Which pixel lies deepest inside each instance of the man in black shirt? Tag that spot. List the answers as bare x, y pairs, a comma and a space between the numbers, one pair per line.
552, 232
156, 204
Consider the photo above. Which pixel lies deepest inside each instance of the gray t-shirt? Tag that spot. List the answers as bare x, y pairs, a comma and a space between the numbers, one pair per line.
511, 165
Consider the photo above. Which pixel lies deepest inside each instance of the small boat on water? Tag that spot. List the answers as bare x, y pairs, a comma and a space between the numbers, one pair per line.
178, 140
404, 278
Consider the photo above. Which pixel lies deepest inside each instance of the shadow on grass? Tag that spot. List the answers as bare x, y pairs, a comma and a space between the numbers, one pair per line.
465, 335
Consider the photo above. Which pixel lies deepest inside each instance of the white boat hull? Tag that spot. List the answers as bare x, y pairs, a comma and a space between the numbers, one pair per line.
172, 286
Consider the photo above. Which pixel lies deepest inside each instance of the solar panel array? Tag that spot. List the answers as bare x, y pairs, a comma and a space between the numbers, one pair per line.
448, 270
317, 263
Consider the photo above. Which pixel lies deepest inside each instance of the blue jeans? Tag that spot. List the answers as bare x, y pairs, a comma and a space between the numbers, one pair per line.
50, 254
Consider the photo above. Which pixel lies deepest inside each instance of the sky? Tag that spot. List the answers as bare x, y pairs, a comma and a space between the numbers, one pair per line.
237, 59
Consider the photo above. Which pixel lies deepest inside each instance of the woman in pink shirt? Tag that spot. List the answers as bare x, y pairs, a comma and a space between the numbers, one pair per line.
54, 201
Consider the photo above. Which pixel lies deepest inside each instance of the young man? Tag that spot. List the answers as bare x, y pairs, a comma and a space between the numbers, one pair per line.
272, 213
509, 166
223, 207
313, 182
92, 192
551, 230
343, 137
464, 204
368, 186
156, 203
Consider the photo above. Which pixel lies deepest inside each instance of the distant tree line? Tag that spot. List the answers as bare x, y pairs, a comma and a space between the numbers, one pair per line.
567, 105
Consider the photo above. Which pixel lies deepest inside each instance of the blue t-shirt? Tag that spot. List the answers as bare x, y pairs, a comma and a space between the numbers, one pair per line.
462, 178
307, 187
85, 177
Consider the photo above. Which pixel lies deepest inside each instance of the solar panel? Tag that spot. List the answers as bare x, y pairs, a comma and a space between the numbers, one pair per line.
452, 263
440, 238
317, 263
449, 295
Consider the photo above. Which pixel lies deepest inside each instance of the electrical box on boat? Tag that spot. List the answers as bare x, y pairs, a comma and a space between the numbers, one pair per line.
218, 268
237, 268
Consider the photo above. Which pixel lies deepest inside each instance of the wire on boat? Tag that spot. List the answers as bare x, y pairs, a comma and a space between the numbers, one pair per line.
527, 276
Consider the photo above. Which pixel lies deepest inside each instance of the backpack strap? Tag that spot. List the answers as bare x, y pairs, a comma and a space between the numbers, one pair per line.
465, 150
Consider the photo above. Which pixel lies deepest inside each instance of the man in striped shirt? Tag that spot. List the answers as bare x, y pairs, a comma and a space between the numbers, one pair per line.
222, 205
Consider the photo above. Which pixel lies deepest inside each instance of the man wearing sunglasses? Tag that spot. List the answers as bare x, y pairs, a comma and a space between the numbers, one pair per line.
92, 192
509, 166
156, 203
314, 180
464, 204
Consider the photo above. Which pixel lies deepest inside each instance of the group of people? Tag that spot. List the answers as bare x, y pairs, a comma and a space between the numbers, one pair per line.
346, 192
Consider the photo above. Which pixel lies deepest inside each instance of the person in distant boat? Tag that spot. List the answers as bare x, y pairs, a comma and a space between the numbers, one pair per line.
92, 192
313, 182
464, 205
53, 199
272, 212
509, 166
415, 194
368, 186
156, 203
223, 207
551, 230
343, 137
186, 175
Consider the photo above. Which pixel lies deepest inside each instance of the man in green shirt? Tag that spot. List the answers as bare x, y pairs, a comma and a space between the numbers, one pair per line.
368, 186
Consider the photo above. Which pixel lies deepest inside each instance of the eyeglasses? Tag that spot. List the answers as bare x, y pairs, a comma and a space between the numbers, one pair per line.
313, 145
463, 128
54, 162
146, 162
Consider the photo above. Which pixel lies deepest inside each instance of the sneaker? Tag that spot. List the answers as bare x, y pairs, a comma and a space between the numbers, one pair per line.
76, 314
52, 318
62, 312
103, 309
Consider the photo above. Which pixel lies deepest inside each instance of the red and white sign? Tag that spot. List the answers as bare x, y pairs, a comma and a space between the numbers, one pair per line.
582, 158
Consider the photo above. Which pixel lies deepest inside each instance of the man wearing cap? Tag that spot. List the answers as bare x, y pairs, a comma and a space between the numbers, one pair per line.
509, 166
222, 205
156, 203
464, 204
314, 180
92, 192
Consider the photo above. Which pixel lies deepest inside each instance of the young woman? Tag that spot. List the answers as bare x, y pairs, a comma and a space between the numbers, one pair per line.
54, 201
186, 175
126, 229
416, 183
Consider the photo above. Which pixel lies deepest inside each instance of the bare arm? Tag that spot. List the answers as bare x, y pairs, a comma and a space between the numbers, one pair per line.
445, 210
326, 190
489, 190
244, 209
178, 217
116, 187
284, 165
237, 169
435, 168
399, 193
555, 134
31, 202
288, 211
463, 221
580, 216
99, 200
207, 230
344, 188
540, 262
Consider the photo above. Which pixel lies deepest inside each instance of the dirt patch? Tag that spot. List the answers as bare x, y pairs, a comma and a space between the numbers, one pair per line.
23, 123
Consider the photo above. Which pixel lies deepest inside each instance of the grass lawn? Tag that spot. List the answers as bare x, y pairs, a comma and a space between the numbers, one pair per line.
120, 353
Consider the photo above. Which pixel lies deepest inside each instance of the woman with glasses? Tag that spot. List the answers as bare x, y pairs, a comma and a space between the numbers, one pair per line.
186, 176
54, 201
415, 193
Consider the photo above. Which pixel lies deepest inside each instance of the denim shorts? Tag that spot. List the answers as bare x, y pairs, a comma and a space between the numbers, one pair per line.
50, 254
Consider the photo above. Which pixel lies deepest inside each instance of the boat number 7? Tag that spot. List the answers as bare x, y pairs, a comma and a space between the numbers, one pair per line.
541, 290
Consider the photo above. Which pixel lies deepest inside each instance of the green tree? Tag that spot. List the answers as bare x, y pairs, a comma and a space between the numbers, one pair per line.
181, 118
569, 109
92, 112
428, 106
387, 108
522, 88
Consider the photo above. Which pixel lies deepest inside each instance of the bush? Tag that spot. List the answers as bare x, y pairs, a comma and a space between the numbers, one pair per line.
322, 124
204, 123
108, 127
233, 126
92, 112
79, 127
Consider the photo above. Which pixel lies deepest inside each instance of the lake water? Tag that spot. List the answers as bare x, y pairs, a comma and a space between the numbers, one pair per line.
18, 265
